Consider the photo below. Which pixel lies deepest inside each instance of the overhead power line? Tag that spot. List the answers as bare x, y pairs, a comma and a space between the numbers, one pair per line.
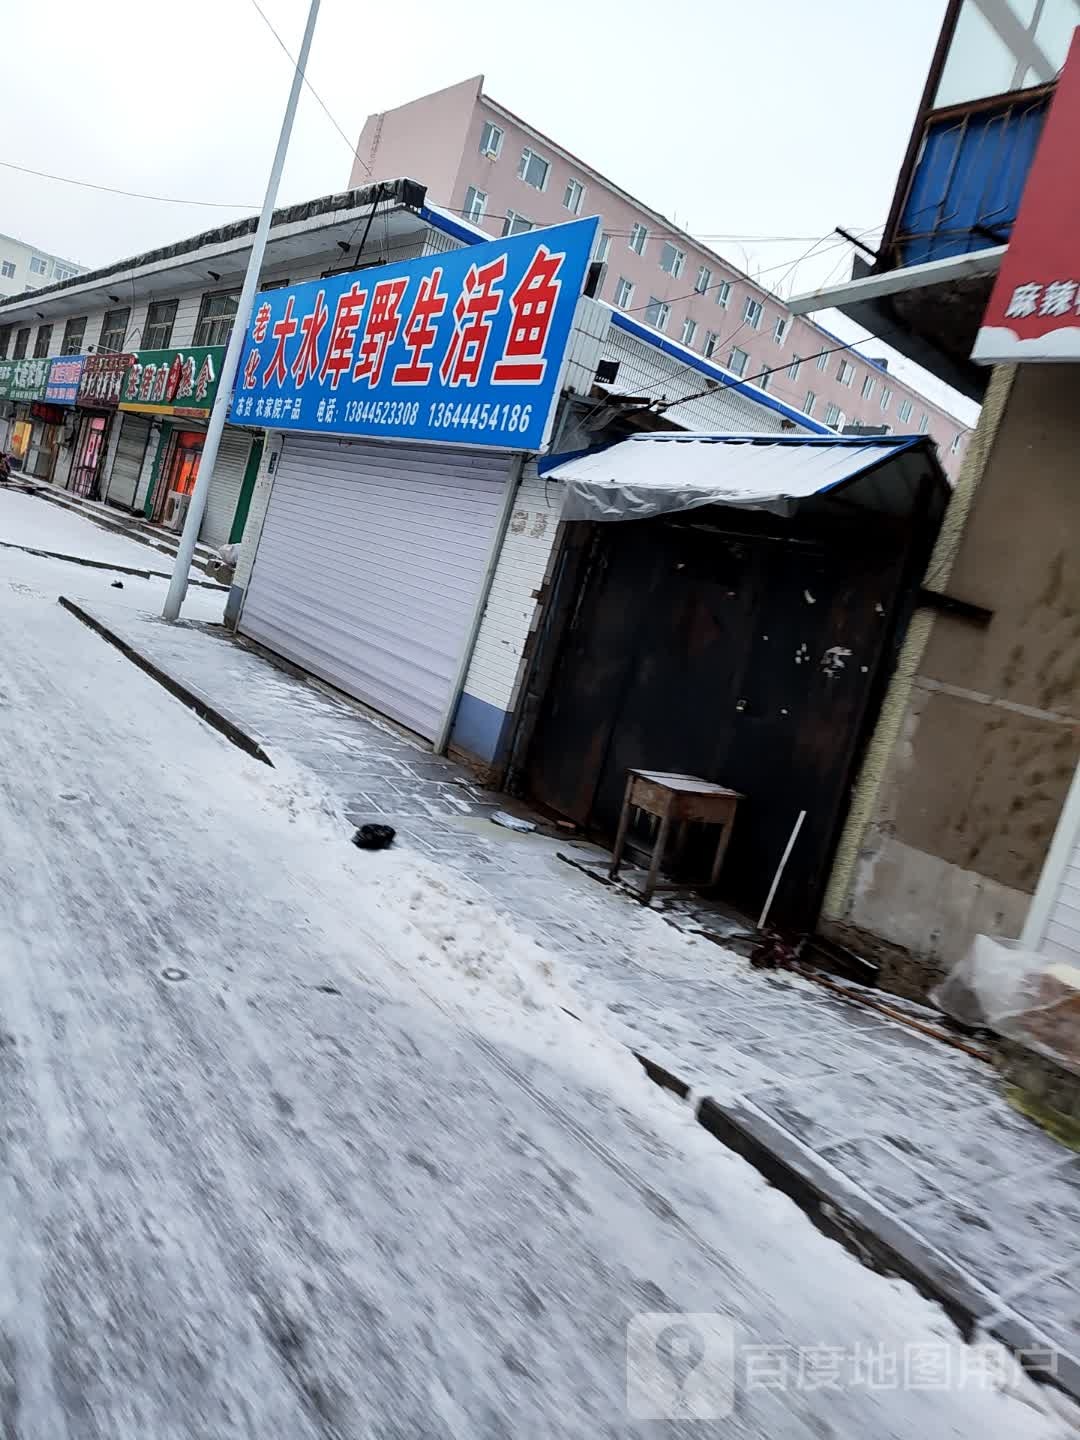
115, 190
321, 102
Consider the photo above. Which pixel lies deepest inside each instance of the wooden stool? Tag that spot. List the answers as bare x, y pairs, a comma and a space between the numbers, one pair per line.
675, 799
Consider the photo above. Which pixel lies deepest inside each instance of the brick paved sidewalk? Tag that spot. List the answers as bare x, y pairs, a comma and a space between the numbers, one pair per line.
906, 1136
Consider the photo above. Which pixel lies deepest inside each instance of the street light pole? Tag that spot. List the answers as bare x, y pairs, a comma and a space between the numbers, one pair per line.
179, 582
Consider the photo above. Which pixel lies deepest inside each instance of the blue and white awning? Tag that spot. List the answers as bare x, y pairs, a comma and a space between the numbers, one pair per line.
660, 472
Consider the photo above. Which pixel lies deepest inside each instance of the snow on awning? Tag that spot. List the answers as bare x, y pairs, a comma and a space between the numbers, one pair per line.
661, 472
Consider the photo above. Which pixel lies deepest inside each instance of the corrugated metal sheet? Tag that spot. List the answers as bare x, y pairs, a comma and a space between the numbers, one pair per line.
656, 473
369, 565
225, 486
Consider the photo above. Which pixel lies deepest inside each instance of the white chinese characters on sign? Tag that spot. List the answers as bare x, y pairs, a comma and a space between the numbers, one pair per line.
1059, 297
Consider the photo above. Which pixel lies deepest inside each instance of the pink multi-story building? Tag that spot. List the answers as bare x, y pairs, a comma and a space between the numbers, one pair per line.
481, 161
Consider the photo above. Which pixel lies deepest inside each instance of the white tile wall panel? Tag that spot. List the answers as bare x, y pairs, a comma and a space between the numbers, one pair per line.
512, 608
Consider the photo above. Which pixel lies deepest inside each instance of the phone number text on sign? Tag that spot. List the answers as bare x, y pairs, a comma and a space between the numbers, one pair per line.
467, 344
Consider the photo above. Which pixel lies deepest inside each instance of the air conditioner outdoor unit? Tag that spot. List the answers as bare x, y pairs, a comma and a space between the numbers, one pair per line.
176, 508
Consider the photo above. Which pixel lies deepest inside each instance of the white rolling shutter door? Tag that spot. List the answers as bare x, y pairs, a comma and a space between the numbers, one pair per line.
370, 564
127, 462
225, 487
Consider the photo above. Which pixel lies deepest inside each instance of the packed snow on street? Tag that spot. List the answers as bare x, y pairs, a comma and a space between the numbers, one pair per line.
298, 1142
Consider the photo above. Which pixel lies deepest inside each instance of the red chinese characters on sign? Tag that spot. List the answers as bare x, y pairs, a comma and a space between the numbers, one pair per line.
532, 307
474, 310
1034, 311
312, 325
262, 320
421, 331
381, 330
277, 371
339, 350
251, 370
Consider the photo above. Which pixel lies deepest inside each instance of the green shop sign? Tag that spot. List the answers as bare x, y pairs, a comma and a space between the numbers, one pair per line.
173, 382
23, 379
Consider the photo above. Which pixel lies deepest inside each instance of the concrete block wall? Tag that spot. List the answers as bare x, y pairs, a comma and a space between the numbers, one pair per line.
964, 779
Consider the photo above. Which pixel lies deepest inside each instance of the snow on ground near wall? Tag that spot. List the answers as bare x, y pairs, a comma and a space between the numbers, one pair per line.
48, 579
300, 1141
47, 525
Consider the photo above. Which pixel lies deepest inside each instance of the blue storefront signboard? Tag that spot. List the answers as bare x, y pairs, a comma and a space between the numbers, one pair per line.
65, 377
465, 347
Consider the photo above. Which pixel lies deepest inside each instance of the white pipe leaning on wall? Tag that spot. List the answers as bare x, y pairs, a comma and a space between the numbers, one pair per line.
513, 484
184, 555
780, 869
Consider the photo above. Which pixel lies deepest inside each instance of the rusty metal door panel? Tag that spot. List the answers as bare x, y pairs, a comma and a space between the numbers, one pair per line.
597, 652
747, 661
689, 651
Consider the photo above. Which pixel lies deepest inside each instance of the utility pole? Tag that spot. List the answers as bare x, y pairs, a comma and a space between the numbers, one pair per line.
179, 582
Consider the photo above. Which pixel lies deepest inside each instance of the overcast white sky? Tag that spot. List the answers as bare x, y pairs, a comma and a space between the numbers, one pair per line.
774, 118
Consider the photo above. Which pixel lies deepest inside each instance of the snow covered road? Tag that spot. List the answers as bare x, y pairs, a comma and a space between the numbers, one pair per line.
295, 1143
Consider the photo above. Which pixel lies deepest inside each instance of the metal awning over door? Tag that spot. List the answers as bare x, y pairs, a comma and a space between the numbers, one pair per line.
369, 567
225, 486
127, 462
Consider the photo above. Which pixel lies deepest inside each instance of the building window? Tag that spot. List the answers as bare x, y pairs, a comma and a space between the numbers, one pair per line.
794, 368
42, 341
780, 330
157, 332
64, 272
752, 312
845, 372
954, 448
656, 313
712, 339
7, 269
763, 379
624, 293
723, 294
216, 315
114, 330
672, 259
533, 169
904, 412
74, 334
886, 396
738, 361
868, 388
638, 236
924, 423
573, 196
5, 341
491, 138
809, 403
704, 279
834, 416
22, 340
823, 360
516, 224
603, 245
475, 204
38, 266
689, 328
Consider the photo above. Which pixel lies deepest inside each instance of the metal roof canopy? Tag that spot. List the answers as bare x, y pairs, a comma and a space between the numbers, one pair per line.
660, 473
329, 227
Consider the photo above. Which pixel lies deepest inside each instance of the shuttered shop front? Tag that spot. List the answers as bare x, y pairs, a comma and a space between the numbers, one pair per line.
370, 565
127, 462
225, 487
